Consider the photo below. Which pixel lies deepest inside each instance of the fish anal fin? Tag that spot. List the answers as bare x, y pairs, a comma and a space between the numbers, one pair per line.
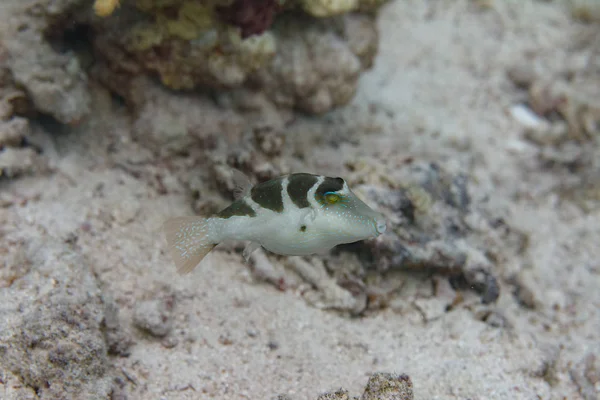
242, 184
188, 241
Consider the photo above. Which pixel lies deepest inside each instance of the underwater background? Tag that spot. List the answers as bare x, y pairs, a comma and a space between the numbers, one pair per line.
472, 125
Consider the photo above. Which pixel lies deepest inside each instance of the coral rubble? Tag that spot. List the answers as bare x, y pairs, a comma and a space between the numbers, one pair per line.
299, 62
52, 331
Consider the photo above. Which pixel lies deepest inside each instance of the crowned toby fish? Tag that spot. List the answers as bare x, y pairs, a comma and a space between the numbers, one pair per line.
296, 214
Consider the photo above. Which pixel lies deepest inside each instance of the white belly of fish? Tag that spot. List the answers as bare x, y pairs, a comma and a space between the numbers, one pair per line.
285, 235
281, 234
293, 242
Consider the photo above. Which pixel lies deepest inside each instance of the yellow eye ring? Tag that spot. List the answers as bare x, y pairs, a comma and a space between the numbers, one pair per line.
332, 198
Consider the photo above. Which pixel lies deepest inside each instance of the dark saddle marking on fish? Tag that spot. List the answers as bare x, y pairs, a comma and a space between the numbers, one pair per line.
328, 185
268, 195
238, 208
298, 187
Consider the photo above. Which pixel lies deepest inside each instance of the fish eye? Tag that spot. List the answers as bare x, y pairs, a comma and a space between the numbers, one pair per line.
332, 198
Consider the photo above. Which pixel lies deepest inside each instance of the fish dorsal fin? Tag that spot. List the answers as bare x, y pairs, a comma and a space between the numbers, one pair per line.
242, 184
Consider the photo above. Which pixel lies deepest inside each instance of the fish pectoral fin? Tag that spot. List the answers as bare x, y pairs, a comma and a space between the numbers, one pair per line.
249, 249
242, 184
307, 217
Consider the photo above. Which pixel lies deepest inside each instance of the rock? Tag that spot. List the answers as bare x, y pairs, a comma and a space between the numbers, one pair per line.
431, 214
586, 375
170, 124
585, 10
329, 295
385, 386
381, 386
51, 336
17, 157
315, 69
337, 395
15, 162
522, 75
117, 339
155, 316
301, 62
54, 81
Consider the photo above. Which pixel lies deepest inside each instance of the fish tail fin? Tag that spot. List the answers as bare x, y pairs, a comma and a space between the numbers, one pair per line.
189, 241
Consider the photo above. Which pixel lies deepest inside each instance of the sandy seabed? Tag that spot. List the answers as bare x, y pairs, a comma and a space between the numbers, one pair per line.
441, 90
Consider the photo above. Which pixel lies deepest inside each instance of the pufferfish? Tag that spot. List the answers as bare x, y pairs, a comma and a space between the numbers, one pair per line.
293, 215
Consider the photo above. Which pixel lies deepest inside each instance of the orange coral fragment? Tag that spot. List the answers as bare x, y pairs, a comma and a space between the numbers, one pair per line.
104, 8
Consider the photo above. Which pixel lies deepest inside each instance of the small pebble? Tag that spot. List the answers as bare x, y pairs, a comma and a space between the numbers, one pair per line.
521, 75
169, 342
154, 317
225, 340
528, 118
252, 333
